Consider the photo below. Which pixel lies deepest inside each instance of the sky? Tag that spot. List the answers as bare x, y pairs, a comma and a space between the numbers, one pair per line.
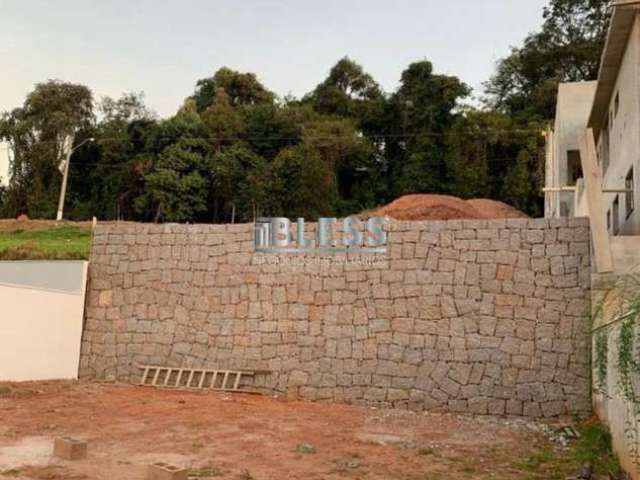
162, 47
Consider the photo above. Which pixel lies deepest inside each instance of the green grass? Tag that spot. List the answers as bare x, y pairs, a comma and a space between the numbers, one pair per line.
61, 243
592, 448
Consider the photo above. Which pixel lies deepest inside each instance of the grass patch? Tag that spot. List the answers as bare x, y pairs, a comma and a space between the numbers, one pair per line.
61, 243
592, 448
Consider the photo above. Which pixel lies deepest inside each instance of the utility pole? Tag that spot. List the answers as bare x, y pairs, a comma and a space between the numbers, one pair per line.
65, 171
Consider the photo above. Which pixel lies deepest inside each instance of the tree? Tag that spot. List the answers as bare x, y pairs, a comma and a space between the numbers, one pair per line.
351, 157
272, 127
419, 115
239, 176
3, 192
490, 155
566, 49
300, 184
240, 88
349, 91
110, 171
36, 133
177, 185
223, 122
517, 184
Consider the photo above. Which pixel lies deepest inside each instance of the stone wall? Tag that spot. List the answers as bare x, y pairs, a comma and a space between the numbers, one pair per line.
485, 317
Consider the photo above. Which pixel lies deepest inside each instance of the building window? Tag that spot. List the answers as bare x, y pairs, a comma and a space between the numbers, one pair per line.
616, 104
616, 215
629, 198
574, 166
609, 220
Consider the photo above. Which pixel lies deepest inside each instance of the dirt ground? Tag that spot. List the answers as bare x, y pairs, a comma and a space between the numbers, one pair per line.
244, 437
10, 225
445, 207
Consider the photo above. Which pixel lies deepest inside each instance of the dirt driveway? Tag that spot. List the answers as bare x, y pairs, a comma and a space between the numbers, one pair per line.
239, 436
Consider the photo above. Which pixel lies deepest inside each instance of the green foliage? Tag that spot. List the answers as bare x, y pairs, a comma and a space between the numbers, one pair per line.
107, 175
238, 178
517, 185
566, 49
627, 363
594, 448
270, 127
351, 158
623, 307
234, 150
300, 184
350, 92
177, 185
240, 89
223, 123
420, 114
36, 133
3, 194
601, 355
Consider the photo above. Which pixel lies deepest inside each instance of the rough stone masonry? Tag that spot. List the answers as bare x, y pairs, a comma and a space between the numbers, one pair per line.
484, 317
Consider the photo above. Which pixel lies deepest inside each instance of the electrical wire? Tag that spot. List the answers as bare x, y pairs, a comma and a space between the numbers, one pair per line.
331, 137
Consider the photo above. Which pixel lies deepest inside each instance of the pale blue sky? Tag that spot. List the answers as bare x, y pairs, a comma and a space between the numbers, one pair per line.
162, 47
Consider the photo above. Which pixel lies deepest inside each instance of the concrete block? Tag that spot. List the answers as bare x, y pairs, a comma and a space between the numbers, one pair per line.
164, 471
69, 448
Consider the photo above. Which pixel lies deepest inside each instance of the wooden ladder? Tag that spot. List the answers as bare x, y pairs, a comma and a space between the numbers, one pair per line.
196, 378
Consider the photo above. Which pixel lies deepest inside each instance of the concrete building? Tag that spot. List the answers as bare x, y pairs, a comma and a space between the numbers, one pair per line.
611, 108
615, 120
564, 170
596, 136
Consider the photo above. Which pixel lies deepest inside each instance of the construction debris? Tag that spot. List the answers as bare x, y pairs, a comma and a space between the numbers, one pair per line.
164, 471
69, 448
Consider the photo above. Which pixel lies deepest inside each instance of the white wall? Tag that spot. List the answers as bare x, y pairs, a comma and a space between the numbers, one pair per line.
41, 328
610, 405
572, 114
625, 133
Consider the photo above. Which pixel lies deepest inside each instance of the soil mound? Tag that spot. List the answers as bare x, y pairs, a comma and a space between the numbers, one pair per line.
445, 207
494, 209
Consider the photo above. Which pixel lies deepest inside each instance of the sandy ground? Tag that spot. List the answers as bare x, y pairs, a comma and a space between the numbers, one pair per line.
445, 207
240, 436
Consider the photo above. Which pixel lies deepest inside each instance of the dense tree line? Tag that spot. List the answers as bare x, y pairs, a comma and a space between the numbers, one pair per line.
234, 150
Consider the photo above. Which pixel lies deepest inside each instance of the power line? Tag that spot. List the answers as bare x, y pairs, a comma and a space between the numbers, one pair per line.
332, 137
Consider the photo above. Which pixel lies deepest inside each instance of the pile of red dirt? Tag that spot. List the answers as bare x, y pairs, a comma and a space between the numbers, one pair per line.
444, 207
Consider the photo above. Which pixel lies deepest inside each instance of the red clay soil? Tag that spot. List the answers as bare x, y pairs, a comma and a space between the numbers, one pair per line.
243, 437
494, 209
444, 207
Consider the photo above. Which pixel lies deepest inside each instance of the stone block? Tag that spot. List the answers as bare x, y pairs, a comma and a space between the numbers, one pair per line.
165, 471
69, 448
